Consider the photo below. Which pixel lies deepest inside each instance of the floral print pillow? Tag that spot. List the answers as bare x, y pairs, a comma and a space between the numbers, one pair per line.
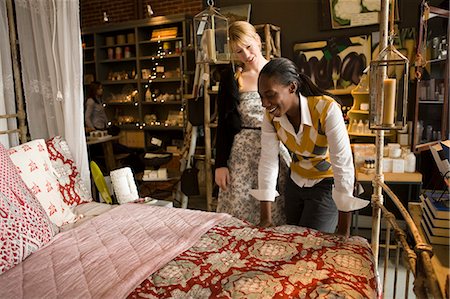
36, 170
72, 188
24, 225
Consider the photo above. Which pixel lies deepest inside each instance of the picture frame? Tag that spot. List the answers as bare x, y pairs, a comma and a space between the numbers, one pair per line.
340, 14
335, 65
236, 12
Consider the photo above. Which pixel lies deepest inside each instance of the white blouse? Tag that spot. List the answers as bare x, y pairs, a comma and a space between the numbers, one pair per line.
340, 156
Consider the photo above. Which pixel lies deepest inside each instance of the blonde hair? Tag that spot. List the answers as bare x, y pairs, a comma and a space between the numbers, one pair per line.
239, 32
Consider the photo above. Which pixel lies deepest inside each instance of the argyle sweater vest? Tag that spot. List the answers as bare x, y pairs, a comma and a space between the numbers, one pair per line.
310, 158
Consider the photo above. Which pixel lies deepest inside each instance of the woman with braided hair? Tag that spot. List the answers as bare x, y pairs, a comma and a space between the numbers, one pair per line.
309, 122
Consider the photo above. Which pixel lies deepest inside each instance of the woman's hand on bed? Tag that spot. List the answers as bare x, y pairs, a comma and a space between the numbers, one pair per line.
265, 223
344, 222
265, 214
222, 177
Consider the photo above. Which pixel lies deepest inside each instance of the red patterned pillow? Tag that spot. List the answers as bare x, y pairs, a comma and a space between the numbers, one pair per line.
71, 186
24, 225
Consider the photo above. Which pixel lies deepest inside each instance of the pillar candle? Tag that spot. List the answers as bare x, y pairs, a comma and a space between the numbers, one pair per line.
389, 101
210, 43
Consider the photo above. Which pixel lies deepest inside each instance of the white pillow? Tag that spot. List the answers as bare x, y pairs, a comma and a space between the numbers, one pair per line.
34, 167
124, 185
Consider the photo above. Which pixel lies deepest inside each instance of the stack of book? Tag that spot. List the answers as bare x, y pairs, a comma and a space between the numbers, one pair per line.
436, 217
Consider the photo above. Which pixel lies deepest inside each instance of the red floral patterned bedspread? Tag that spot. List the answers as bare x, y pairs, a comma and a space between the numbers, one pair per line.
235, 260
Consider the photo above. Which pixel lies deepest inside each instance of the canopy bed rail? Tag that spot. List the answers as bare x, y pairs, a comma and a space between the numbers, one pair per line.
20, 107
418, 257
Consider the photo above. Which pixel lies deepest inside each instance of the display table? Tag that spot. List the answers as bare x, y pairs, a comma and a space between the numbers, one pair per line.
440, 259
107, 147
160, 189
407, 178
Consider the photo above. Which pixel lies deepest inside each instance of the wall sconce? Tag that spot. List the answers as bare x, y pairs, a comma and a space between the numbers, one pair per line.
105, 17
149, 11
211, 36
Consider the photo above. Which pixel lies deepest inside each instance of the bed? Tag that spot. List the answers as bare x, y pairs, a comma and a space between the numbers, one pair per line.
141, 251
58, 243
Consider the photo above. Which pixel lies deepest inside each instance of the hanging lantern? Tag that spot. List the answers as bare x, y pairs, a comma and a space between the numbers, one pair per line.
389, 86
388, 89
211, 36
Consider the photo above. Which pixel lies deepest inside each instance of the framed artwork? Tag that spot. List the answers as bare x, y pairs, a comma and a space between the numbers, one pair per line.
335, 65
236, 12
353, 13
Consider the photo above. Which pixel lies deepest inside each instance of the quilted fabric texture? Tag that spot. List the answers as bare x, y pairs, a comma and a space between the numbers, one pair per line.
24, 225
35, 169
109, 255
72, 188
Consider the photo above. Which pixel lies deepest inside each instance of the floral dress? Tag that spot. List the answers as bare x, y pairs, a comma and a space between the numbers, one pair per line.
243, 167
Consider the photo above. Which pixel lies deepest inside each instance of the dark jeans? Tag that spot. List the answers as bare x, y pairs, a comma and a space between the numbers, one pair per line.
311, 207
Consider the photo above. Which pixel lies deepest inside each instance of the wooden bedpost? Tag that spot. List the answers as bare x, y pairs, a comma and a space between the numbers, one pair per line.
377, 196
16, 71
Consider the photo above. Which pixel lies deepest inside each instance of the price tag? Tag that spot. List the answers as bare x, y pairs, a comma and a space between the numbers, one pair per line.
201, 26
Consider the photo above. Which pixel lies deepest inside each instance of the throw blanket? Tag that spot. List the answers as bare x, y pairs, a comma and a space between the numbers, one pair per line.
108, 256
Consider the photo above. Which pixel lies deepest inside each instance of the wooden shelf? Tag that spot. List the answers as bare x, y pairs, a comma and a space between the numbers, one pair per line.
358, 111
155, 41
389, 177
112, 82
431, 102
162, 103
118, 60
143, 51
156, 57
117, 45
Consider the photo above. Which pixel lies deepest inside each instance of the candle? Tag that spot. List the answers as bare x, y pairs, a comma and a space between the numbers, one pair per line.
389, 101
210, 43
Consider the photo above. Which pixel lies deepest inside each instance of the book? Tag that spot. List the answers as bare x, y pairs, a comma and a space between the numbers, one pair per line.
445, 149
438, 209
441, 158
435, 230
442, 223
433, 239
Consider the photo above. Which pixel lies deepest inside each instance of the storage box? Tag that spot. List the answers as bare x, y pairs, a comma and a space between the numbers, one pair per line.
132, 138
164, 33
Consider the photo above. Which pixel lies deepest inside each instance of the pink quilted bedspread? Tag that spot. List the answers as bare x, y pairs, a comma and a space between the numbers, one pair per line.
235, 260
108, 256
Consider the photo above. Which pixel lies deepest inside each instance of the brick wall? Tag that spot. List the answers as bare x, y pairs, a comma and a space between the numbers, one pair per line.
91, 11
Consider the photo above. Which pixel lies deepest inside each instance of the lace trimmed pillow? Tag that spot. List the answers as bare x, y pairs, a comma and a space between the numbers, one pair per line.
24, 225
36, 170
72, 188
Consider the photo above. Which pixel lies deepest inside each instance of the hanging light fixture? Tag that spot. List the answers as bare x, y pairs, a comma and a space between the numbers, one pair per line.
149, 11
105, 17
389, 86
211, 35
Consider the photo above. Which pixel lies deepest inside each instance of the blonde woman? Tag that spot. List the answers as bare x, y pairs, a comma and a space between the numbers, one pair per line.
238, 145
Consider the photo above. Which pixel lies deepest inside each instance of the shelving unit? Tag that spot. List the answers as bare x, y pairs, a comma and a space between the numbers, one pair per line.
270, 35
142, 67
360, 98
431, 110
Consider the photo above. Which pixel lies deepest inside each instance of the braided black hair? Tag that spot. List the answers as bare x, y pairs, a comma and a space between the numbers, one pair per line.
284, 71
